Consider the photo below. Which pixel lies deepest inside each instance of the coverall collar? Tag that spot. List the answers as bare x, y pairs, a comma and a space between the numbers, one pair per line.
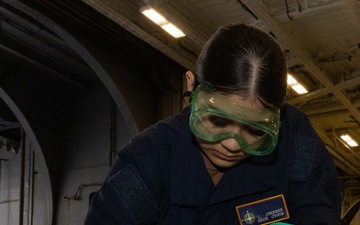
191, 184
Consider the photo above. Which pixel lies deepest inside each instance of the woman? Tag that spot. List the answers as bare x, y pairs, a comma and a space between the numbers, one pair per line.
237, 155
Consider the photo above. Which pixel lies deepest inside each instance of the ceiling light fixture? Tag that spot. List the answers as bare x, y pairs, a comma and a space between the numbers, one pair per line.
162, 22
348, 140
292, 82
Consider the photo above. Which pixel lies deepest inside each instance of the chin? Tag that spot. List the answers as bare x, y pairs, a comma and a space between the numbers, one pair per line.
223, 164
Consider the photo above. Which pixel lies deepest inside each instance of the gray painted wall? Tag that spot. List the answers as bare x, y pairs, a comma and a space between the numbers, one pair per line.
76, 127
85, 158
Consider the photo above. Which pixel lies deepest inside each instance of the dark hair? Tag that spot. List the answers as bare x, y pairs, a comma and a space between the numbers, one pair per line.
240, 59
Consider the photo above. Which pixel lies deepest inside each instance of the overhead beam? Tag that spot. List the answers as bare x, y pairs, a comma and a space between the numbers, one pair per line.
28, 54
291, 41
140, 33
43, 42
354, 9
337, 153
324, 91
307, 12
186, 25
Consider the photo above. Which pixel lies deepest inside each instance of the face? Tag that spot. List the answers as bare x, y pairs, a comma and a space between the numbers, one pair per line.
226, 153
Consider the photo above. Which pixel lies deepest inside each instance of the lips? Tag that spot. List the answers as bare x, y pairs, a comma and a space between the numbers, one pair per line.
225, 157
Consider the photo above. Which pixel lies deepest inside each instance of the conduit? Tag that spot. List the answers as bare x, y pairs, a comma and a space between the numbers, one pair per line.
22, 178
112, 132
1, 159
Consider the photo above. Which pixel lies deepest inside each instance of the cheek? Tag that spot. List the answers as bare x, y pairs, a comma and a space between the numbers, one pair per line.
250, 139
244, 154
203, 144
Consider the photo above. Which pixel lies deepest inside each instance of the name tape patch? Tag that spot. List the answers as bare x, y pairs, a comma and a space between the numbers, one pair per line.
264, 211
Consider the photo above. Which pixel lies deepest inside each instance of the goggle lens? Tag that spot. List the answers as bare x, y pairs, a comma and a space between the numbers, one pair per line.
257, 137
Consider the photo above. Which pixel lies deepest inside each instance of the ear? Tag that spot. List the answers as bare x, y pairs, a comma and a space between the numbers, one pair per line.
190, 81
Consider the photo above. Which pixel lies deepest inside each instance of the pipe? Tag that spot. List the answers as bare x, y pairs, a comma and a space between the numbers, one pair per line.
22, 178
76, 196
1, 159
354, 47
244, 6
9, 201
112, 132
33, 185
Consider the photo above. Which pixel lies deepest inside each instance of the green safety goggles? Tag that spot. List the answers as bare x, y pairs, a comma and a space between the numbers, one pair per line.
214, 117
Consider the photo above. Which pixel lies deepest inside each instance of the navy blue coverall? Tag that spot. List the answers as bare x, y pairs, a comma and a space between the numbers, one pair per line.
159, 177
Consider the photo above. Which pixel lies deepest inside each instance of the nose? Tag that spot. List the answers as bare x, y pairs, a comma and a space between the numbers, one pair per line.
231, 145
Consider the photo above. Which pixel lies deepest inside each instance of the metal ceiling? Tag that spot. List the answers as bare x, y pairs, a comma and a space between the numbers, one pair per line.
26, 40
320, 38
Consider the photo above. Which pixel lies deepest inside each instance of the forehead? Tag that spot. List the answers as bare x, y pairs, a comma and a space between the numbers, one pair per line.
249, 103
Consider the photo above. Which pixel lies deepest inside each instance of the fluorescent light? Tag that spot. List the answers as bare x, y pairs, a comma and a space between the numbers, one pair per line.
349, 140
162, 22
154, 16
295, 85
174, 31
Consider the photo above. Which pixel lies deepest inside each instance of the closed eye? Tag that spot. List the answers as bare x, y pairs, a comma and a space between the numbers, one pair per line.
254, 131
219, 121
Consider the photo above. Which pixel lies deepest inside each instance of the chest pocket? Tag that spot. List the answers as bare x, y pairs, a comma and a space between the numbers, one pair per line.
302, 157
